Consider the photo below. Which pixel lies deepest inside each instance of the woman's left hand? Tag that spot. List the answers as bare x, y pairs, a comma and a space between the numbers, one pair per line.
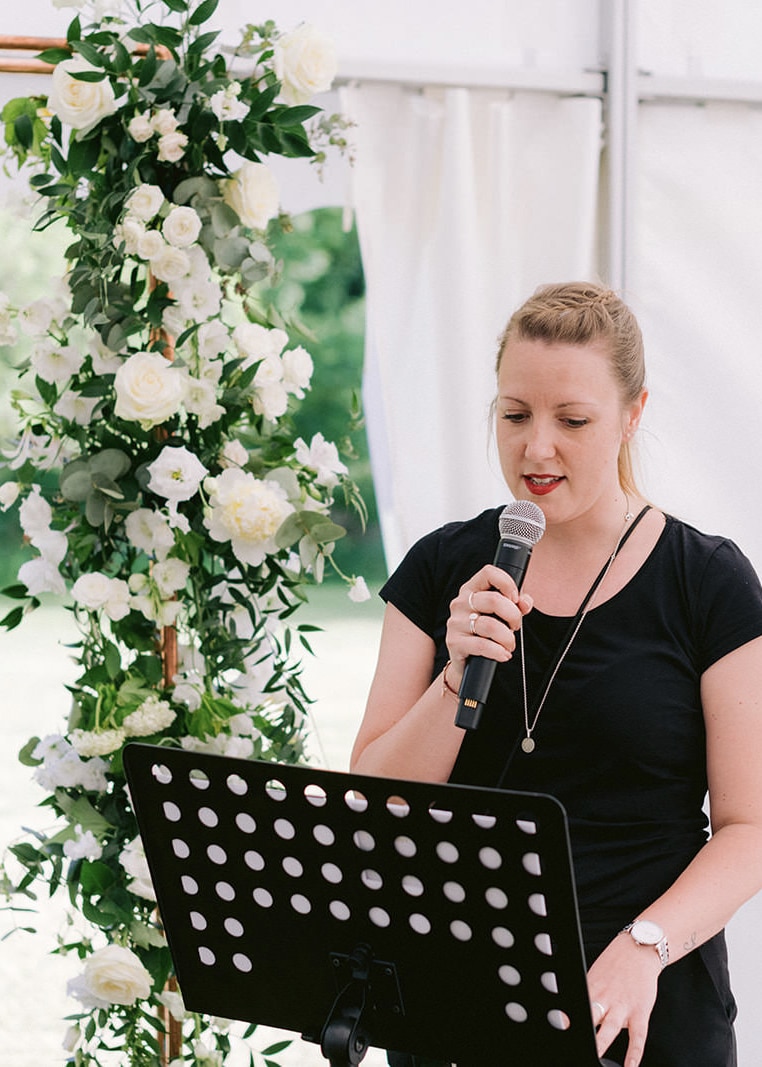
622, 984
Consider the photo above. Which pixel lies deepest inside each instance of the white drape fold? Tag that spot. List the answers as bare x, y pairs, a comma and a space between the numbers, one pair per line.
466, 200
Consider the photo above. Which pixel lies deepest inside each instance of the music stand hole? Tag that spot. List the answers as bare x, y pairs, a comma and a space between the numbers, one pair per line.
454, 892
558, 1019
490, 858
324, 835
543, 944
538, 904
262, 897
161, 773
371, 879
180, 848
496, 898
190, 885
198, 921
549, 981
245, 823
284, 829
206, 956
379, 917
233, 926
209, 817
503, 937
460, 930
332, 873
292, 867
440, 815
509, 975
447, 852
419, 923
398, 807
237, 785
413, 886
198, 779
339, 910
527, 826
530, 861
275, 789
225, 891
171, 811
217, 854
355, 800
316, 795
301, 904
516, 1012
242, 963
485, 822
405, 846
363, 840
255, 861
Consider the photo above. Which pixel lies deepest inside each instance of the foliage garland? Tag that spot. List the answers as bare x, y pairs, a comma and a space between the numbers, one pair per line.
159, 482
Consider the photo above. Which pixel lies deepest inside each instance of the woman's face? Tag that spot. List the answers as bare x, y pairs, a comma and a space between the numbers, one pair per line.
560, 424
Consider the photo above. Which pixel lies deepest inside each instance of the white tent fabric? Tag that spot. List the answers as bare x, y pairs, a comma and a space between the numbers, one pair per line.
466, 200
696, 280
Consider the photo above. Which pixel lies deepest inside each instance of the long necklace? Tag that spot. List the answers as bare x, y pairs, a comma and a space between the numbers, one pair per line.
528, 742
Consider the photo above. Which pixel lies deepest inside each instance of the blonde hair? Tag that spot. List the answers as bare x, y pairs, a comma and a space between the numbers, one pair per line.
583, 313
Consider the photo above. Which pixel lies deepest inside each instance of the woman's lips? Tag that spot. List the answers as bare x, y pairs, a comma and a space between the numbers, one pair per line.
541, 484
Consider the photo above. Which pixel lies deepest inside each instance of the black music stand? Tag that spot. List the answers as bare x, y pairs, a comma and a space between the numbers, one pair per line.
433, 919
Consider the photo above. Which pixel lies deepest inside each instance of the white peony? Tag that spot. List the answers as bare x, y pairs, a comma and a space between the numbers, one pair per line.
252, 192
79, 104
176, 473
145, 202
181, 227
149, 389
115, 975
247, 512
305, 63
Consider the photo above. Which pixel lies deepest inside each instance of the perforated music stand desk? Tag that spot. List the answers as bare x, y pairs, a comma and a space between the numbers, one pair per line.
433, 919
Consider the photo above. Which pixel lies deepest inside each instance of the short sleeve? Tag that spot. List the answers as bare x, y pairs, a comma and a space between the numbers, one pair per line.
729, 604
412, 586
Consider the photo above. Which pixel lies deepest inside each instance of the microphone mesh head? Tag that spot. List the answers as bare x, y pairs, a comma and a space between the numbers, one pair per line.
523, 521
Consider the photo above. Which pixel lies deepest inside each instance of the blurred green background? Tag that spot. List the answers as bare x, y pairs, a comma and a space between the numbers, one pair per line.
323, 287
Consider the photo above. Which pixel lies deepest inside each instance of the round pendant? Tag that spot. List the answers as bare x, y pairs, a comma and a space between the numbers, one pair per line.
527, 745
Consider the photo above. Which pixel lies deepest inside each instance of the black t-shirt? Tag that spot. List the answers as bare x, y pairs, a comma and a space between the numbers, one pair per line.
620, 740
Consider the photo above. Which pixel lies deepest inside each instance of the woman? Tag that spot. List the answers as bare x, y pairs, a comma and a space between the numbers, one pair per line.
627, 708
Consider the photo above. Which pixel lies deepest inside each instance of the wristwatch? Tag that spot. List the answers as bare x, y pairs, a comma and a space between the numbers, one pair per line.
646, 932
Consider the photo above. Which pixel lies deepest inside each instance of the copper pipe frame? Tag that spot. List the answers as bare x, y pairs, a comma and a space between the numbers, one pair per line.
32, 65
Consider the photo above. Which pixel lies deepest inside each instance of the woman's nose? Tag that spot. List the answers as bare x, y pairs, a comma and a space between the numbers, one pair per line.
540, 443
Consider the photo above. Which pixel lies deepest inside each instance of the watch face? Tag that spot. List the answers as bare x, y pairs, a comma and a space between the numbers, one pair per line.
646, 932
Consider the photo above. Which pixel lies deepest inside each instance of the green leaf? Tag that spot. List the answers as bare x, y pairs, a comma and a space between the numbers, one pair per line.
54, 55
295, 116
80, 812
96, 878
12, 619
111, 462
200, 45
75, 482
112, 659
90, 53
95, 509
74, 31
203, 12
25, 755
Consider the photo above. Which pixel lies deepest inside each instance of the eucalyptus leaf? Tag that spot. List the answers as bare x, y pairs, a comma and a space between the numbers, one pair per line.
111, 461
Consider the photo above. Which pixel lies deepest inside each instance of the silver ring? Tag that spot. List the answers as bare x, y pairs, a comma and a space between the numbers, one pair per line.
472, 623
597, 1004
471, 600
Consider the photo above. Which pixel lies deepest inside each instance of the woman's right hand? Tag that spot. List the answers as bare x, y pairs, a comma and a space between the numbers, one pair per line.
483, 619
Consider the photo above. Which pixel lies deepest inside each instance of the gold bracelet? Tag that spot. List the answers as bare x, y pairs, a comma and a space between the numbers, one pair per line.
446, 687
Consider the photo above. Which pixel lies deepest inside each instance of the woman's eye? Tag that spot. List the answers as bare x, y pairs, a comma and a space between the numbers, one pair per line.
515, 416
575, 424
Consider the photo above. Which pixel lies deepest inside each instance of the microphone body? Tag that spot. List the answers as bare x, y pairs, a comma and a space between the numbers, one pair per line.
522, 524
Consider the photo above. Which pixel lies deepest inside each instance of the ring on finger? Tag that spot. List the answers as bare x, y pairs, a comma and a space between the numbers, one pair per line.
601, 1008
472, 623
471, 600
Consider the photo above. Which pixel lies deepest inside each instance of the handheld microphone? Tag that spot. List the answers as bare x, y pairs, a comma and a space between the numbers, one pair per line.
521, 525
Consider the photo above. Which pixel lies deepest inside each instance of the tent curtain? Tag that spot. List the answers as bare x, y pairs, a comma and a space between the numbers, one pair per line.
695, 281
466, 200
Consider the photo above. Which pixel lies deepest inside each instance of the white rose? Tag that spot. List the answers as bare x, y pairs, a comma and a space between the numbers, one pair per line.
149, 390
79, 104
212, 339
305, 63
95, 591
145, 202
258, 342
116, 975
170, 264
226, 105
140, 128
164, 122
172, 147
252, 192
176, 474
129, 232
181, 227
150, 244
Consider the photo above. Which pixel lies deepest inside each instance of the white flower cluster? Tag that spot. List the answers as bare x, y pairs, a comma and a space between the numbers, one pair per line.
62, 767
